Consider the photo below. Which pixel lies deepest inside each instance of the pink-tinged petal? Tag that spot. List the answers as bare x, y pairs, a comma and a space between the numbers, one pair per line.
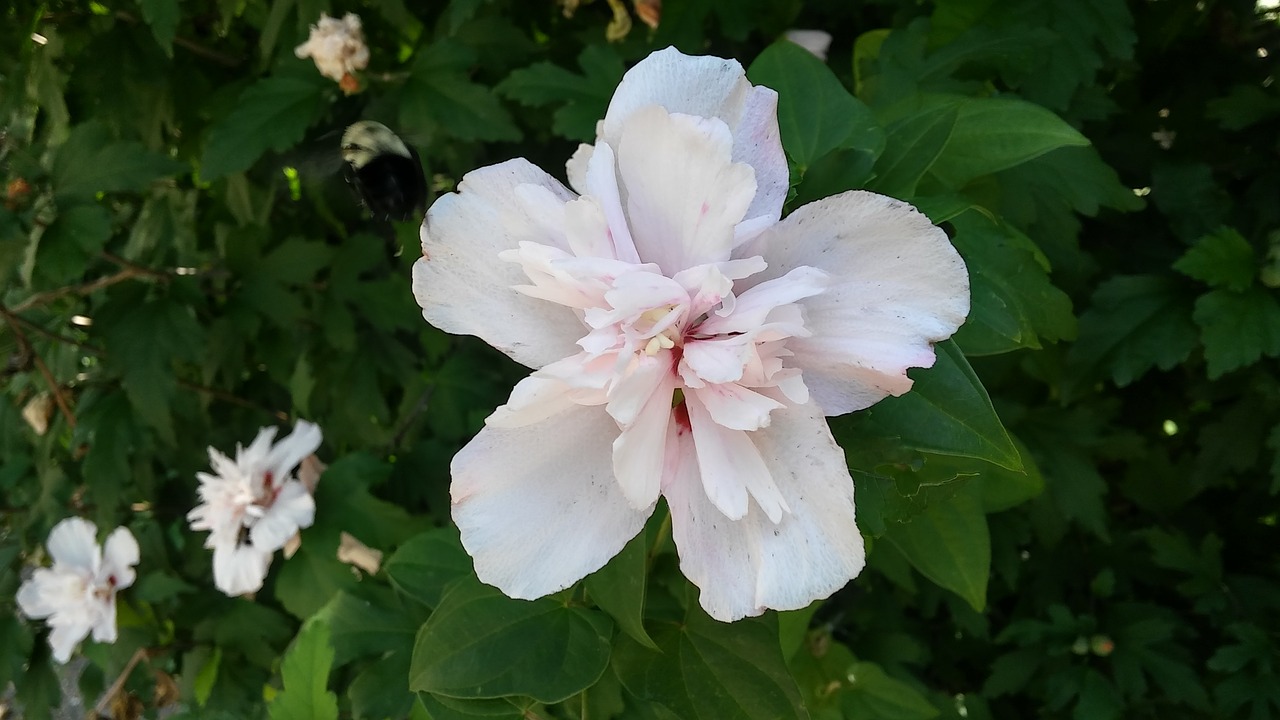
897, 286
63, 638
713, 88
631, 392
745, 567
239, 569
758, 143
587, 229
464, 288
576, 167
286, 454
533, 400
718, 360
640, 450
731, 467
684, 194
538, 506
74, 543
601, 183
753, 306
293, 509
736, 407
816, 549
120, 554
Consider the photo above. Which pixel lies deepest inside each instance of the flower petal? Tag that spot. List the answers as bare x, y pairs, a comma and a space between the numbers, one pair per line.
293, 509
47, 592
239, 569
639, 452
73, 542
65, 636
711, 87
683, 192
731, 467
747, 566
538, 506
464, 288
896, 287
286, 454
120, 554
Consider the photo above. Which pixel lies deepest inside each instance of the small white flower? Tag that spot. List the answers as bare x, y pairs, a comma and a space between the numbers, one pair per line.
336, 46
78, 594
253, 505
816, 42
687, 344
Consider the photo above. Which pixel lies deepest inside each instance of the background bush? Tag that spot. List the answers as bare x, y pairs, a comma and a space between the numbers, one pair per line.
180, 265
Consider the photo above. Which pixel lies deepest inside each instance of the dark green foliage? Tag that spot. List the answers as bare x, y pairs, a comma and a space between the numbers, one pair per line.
1072, 515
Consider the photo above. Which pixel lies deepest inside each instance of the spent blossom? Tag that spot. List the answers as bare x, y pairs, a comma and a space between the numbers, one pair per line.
77, 596
337, 48
687, 344
253, 505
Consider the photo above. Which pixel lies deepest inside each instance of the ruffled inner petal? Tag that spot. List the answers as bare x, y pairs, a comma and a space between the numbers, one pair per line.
731, 467
682, 192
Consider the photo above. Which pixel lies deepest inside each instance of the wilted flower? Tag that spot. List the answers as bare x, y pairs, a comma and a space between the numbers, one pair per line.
78, 594
815, 41
337, 48
687, 344
253, 505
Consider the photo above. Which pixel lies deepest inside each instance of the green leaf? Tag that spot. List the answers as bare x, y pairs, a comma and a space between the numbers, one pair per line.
1134, 323
1221, 259
583, 98
71, 241
994, 134
947, 412
305, 673
949, 543
816, 114
272, 114
1244, 106
91, 162
143, 339
481, 644
363, 626
1014, 305
708, 670
912, 144
1237, 329
439, 94
163, 17
424, 565
618, 589
381, 690
873, 694
447, 708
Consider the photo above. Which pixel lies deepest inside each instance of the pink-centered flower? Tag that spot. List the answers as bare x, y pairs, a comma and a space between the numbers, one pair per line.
253, 505
78, 594
687, 344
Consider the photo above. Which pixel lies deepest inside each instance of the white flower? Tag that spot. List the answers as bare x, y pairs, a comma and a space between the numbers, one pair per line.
336, 46
78, 594
687, 344
253, 505
816, 42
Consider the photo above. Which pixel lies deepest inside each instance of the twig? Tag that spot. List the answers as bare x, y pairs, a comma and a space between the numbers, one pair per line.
234, 400
25, 345
193, 46
88, 288
104, 703
413, 414
55, 336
